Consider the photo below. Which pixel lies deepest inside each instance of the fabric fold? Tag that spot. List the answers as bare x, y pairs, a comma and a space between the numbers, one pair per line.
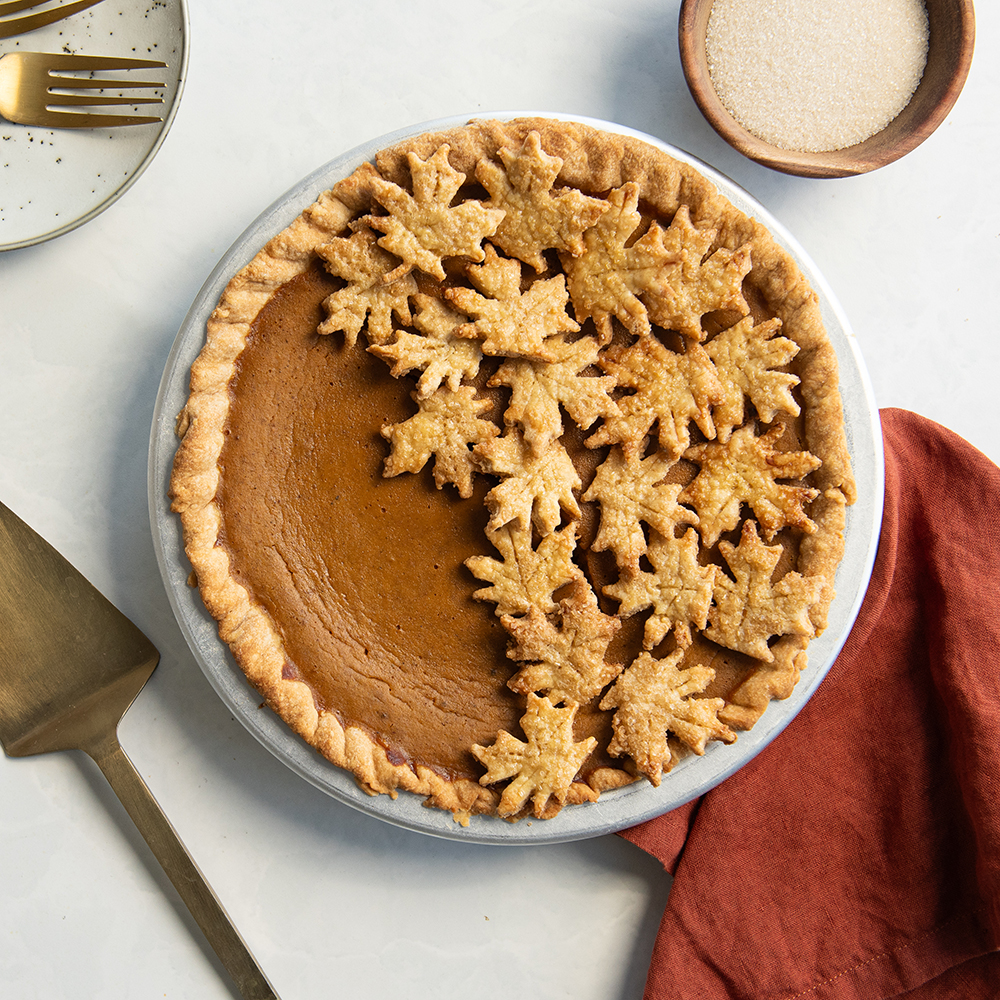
858, 855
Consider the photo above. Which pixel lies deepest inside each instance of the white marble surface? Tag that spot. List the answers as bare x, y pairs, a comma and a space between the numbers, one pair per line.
333, 902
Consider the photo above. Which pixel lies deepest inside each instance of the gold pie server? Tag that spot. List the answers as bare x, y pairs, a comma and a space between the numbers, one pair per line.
70, 665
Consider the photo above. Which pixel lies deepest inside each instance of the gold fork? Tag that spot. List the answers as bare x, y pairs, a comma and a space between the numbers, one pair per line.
10, 26
32, 91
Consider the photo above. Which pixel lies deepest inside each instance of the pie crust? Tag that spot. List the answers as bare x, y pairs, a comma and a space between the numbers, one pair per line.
578, 275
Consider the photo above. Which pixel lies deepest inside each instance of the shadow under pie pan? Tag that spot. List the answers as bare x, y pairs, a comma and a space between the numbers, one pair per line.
616, 809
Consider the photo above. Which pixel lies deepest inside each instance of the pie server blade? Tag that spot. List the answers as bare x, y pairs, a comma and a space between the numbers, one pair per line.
70, 665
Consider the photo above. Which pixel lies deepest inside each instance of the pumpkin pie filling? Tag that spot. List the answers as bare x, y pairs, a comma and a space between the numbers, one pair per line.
363, 575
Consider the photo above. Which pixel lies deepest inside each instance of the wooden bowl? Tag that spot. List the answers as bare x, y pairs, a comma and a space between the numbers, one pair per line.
951, 25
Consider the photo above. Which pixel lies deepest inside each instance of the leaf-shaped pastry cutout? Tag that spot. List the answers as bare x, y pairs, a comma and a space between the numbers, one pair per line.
565, 661
679, 589
446, 426
507, 320
608, 279
525, 577
443, 357
746, 356
536, 487
692, 286
537, 216
745, 469
751, 609
671, 390
365, 266
543, 768
424, 228
631, 492
541, 388
654, 698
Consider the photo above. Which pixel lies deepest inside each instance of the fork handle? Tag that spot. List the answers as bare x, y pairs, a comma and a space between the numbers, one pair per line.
181, 869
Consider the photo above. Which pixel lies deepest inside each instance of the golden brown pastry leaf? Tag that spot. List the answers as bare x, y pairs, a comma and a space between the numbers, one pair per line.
679, 589
537, 216
566, 663
608, 279
750, 609
631, 491
671, 390
540, 388
543, 768
536, 488
424, 228
446, 425
436, 350
653, 698
692, 286
745, 469
745, 357
365, 267
525, 577
507, 320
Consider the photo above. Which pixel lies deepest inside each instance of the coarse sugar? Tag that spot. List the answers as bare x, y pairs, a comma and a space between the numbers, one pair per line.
816, 75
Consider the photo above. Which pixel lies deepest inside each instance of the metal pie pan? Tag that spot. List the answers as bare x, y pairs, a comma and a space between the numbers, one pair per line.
614, 810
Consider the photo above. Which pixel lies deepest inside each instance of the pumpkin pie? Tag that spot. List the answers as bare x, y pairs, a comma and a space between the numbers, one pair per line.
514, 470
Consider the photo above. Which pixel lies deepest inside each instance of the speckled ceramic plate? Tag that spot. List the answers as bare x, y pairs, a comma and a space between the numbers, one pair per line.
53, 180
617, 809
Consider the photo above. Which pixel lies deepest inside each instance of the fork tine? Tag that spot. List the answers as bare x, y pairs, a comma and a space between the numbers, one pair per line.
59, 60
13, 6
92, 100
70, 119
96, 83
19, 25
58, 82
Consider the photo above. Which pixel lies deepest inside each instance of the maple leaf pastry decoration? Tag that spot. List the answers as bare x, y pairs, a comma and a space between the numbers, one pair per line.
679, 590
744, 470
446, 425
370, 294
629, 384
424, 227
566, 662
654, 697
507, 320
441, 356
695, 285
747, 360
610, 277
537, 215
542, 768
525, 576
535, 488
541, 387
749, 609
631, 492
671, 390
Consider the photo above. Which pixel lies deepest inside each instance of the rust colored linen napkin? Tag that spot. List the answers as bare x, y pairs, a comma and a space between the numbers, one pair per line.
858, 855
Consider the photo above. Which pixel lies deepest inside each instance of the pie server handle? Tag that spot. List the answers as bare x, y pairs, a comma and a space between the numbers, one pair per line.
181, 869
